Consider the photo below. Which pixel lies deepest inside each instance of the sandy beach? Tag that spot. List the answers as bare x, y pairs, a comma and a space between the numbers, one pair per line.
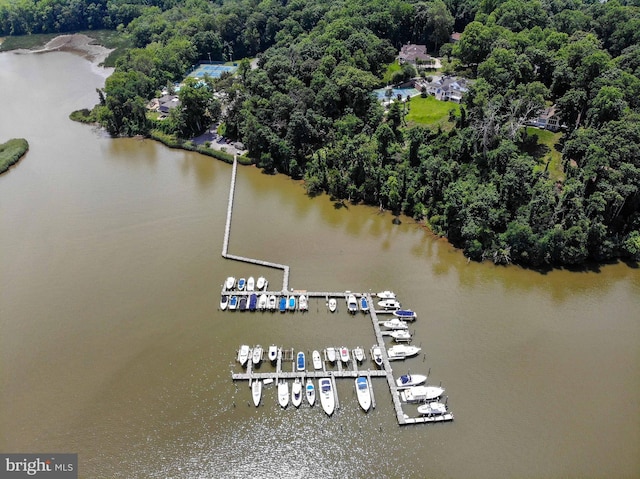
79, 44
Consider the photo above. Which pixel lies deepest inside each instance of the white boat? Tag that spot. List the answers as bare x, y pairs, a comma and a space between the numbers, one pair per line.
395, 323
262, 302
310, 392
433, 408
303, 304
405, 314
402, 351
261, 283
241, 284
296, 393
224, 302
256, 357
251, 284
400, 335
273, 353
331, 354
233, 303
362, 390
317, 360
389, 304
352, 303
344, 354
256, 391
283, 393
376, 354
410, 380
421, 393
386, 295
333, 304
243, 354
327, 399
301, 363
358, 354
229, 283
272, 302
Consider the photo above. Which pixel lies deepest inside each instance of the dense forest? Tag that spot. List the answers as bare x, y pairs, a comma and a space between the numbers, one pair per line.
307, 109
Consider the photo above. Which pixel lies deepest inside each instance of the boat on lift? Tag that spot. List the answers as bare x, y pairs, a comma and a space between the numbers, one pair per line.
402, 351
333, 305
261, 283
241, 284
256, 357
331, 354
395, 323
243, 354
358, 354
263, 300
229, 283
386, 295
433, 408
251, 284
327, 399
242, 303
282, 304
256, 391
310, 392
376, 354
291, 303
253, 301
363, 392
273, 301
317, 360
405, 314
400, 335
233, 303
296, 392
303, 303
300, 362
273, 353
352, 303
389, 304
421, 393
410, 380
283, 393
364, 304
344, 354
224, 302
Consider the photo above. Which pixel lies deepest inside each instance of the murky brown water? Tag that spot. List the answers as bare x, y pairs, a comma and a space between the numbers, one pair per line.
112, 345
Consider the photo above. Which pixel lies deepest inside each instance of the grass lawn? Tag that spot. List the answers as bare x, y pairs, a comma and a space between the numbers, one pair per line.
391, 69
547, 152
429, 111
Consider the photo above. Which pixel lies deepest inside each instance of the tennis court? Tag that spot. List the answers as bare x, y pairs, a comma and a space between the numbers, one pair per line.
213, 70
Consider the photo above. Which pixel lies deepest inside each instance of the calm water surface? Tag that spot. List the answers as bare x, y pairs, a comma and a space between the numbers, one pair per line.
112, 344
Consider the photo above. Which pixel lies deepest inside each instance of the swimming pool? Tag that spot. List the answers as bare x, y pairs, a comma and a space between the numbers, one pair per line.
380, 93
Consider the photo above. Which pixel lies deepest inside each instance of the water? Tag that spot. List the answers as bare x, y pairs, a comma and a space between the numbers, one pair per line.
381, 93
113, 347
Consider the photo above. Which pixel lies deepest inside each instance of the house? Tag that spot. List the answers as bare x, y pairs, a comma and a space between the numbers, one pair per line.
415, 54
167, 102
455, 37
548, 119
448, 88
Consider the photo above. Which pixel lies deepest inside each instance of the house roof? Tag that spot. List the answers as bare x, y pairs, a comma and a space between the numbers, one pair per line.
412, 52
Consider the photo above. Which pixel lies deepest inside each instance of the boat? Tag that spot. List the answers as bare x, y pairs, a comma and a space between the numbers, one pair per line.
400, 335
410, 380
256, 357
362, 390
242, 305
344, 354
327, 398
273, 353
386, 295
317, 360
303, 303
262, 302
283, 393
291, 303
229, 283
261, 283
389, 304
296, 393
282, 304
256, 391
358, 354
421, 393
395, 323
272, 302
253, 301
224, 301
331, 354
310, 392
402, 351
300, 362
405, 314
433, 408
233, 303
333, 304
251, 284
241, 284
376, 354
364, 304
352, 303
243, 354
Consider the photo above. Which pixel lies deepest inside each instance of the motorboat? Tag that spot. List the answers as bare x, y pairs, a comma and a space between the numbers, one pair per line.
291, 303
243, 354
386, 295
253, 301
333, 305
241, 284
256, 392
272, 302
300, 362
273, 353
389, 304
296, 393
395, 323
262, 302
282, 304
242, 303
344, 354
251, 284
421, 393
405, 314
317, 360
261, 283
327, 399
363, 392
303, 303
224, 302
410, 380
233, 303
400, 335
358, 354
331, 354
352, 303
433, 408
364, 304
376, 354
310, 392
256, 357
402, 351
283, 393
229, 283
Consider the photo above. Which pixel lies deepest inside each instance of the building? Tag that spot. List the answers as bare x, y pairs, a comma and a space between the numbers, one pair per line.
415, 54
548, 119
448, 88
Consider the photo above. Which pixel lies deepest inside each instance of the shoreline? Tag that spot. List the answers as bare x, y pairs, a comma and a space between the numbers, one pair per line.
76, 43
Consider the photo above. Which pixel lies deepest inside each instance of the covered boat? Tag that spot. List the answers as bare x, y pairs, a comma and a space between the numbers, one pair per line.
291, 303
233, 303
242, 304
282, 304
421, 393
300, 362
405, 314
363, 392
410, 380
364, 304
253, 302
296, 392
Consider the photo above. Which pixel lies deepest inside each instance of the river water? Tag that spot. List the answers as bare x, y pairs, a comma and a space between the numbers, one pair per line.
112, 344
